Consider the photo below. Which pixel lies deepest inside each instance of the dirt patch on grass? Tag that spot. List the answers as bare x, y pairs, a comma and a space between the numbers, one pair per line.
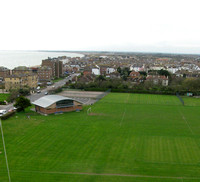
97, 114
82, 94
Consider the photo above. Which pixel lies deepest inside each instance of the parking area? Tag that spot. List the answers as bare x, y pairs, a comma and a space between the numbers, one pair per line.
86, 97
6, 107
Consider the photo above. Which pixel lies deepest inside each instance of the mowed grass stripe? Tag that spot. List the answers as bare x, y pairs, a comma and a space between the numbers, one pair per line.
169, 150
150, 99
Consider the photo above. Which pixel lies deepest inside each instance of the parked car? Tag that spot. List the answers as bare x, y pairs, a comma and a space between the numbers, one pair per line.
2, 112
39, 91
46, 93
49, 83
12, 109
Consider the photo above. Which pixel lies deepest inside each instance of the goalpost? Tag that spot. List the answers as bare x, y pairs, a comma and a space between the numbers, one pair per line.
89, 111
4, 146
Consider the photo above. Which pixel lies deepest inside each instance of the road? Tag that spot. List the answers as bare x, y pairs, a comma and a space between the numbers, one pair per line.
36, 96
60, 83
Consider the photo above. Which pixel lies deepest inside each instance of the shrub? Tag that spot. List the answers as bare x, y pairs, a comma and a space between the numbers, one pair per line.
2, 103
22, 103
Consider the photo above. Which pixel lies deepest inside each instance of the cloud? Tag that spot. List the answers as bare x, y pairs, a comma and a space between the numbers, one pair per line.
105, 24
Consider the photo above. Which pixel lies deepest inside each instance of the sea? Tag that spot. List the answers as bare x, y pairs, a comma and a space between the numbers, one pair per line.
12, 59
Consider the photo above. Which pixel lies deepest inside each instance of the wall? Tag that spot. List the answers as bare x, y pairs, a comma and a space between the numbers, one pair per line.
53, 110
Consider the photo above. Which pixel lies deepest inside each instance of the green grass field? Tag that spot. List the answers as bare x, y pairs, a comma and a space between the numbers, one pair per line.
191, 101
4, 97
126, 137
57, 80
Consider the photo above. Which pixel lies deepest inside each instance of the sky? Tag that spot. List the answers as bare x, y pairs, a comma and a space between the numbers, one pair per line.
101, 25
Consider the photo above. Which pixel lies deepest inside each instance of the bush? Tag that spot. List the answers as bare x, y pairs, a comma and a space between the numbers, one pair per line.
22, 103
55, 91
2, 103
19, 109
7, 115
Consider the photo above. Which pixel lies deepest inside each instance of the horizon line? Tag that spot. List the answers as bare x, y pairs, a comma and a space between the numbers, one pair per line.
104, 51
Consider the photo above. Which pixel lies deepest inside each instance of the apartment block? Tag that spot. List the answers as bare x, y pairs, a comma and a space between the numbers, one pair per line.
45, 74
55, 64
21, 70
21, 80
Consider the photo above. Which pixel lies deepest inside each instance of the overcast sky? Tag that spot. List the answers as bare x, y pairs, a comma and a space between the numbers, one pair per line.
101, 25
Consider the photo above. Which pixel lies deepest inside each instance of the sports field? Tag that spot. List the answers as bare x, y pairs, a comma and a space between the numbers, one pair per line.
191, 101
125, 137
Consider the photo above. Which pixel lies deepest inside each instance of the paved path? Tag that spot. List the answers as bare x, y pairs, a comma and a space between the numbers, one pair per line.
60, 83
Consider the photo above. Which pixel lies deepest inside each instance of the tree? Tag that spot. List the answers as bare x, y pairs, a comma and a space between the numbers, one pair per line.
124, 77
14, 93
191, 84
143, 73
100, 78
119, 70
24, 91
163, 72
22, 103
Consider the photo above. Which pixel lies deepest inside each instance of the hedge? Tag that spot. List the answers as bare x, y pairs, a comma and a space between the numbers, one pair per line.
161, 92
2, 103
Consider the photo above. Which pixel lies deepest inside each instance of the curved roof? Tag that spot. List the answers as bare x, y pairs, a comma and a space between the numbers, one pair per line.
48, 100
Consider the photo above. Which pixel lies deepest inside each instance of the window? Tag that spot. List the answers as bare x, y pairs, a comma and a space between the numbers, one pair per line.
64, 103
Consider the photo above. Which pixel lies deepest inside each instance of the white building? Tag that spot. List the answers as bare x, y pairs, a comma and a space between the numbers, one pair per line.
157, 68
137, 68
172, 70
96, 71
110, 70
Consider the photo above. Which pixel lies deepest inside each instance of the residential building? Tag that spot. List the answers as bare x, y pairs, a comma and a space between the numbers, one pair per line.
21, 70
158, 79
20, 81
4, 72
56, 65
134, 74
45, 74
96, 70
110, 70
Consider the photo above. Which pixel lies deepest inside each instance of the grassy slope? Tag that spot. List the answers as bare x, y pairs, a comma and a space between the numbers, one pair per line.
128, 134
4, 96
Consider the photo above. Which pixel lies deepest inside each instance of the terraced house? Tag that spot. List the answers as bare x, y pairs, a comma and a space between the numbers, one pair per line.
20, 81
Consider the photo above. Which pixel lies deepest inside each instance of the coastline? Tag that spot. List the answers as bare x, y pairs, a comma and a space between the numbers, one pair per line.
13, 58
